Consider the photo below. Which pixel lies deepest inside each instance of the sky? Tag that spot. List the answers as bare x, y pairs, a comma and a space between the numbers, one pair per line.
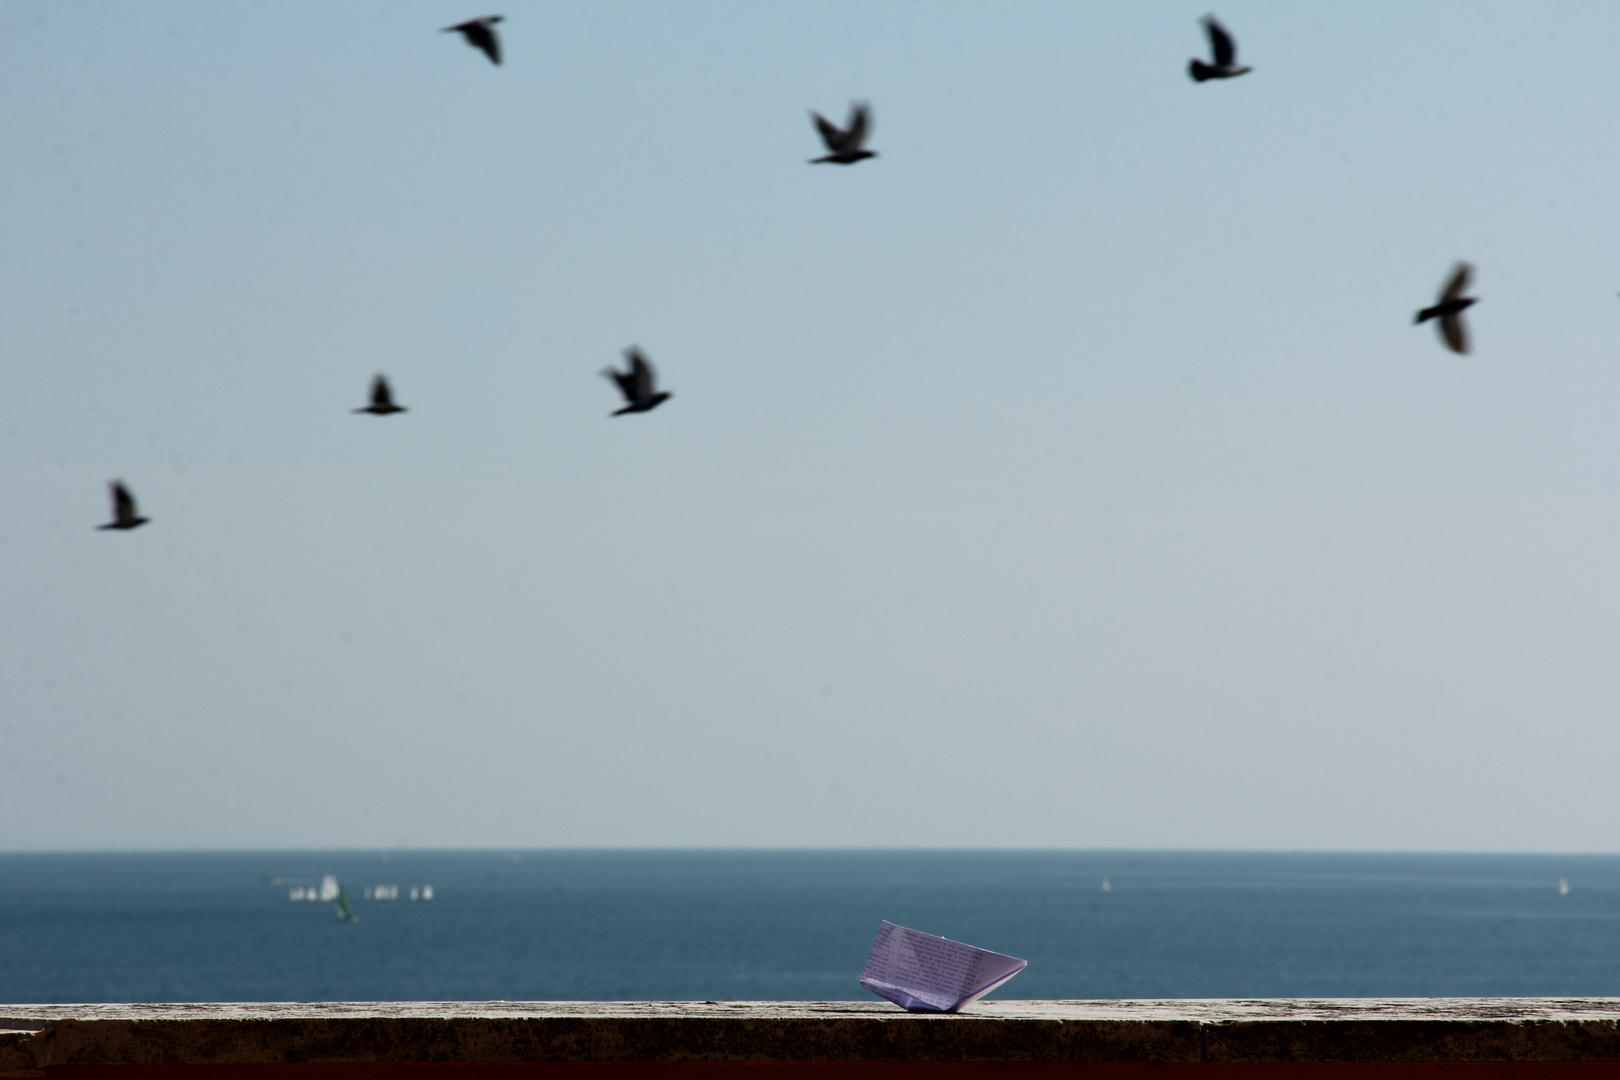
1069, 475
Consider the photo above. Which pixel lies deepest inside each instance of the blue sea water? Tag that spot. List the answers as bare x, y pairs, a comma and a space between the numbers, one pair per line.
712, 925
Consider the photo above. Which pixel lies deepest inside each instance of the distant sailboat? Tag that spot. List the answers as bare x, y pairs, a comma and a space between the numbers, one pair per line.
330, 889
1107, 886
344, 911
1563, 886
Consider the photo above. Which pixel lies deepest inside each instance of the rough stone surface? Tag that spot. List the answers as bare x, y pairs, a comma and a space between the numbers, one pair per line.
34, 1037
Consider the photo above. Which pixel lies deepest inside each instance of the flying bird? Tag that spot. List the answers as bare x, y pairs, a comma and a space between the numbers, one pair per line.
637, 384
382, 399
1450, 308
125, 516
480, 34
845, 145
1223, 50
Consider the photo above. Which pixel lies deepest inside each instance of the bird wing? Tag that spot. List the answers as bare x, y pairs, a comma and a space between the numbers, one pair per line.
123, 502
1458, 283
642, 377
485, 21
1455, 333
860, 125
483, 35
1221, 45
381, 395
621, 379
480, 33
831, 134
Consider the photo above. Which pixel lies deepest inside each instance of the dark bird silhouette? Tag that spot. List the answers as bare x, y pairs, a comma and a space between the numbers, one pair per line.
845, 146
125, 516
1450, 308
1223, 50
480, 34
382, 399
637, 384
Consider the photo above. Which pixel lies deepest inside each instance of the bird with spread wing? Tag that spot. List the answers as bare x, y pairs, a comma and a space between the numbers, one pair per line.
845, 145
382, 399
638, 384
125, 516
480, 34
1449, 309
1223, 50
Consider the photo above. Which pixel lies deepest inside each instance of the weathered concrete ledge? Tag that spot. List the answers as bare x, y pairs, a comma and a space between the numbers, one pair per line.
1429, 1037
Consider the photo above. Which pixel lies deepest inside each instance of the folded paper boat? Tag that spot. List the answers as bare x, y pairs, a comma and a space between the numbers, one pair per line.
923, 973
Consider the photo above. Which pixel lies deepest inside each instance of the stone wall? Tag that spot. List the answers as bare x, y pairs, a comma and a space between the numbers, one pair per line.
1009, 1040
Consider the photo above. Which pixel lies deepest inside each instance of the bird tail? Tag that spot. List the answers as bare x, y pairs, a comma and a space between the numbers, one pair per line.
1200, 70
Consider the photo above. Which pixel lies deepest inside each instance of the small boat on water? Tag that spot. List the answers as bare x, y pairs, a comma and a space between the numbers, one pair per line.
324, 893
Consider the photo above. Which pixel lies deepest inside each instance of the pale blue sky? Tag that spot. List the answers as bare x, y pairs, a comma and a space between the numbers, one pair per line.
1069, 475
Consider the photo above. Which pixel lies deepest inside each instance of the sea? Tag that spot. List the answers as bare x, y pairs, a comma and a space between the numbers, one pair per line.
796, 925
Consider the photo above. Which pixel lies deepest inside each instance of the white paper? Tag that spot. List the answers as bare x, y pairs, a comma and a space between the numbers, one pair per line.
923, 973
